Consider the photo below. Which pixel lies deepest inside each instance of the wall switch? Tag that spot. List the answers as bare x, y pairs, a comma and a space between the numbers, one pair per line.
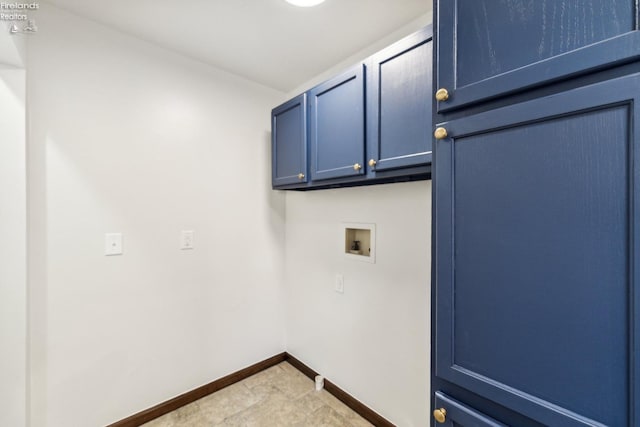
186, 239
339, 286
113, 244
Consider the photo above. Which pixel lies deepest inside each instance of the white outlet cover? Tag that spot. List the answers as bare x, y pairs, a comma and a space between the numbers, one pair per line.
113, 244
186, 239
339, 285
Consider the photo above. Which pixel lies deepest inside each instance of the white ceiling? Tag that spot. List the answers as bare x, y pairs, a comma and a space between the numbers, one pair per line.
267, 41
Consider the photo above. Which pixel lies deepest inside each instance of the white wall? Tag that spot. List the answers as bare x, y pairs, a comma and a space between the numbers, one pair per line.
13, 251
374, 340
12, 46
374, 47
126, 137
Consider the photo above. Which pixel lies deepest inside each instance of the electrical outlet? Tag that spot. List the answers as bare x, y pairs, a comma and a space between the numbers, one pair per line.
186, 239
339, 285
113, 244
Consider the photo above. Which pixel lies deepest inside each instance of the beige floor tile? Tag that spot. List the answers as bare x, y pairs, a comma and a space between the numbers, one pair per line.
265, 377
333, 402
231, 400
280, 396
263, 391
285, 378
292, 385
275, 410
325, 417
310, 401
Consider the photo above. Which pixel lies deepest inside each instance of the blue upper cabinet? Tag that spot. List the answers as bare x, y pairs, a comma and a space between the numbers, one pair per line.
289, 142
371, 124
399, 100
488, 48
537, 236
336, 126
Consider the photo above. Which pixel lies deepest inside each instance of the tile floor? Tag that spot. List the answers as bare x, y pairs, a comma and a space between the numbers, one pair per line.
278, 396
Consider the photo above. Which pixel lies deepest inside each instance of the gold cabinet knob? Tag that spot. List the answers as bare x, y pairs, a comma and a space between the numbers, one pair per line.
357, 167
442, 94
440, 133
300, 176
372, 163
440, 415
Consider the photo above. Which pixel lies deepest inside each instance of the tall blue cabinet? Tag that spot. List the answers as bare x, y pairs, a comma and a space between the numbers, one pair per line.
536, 296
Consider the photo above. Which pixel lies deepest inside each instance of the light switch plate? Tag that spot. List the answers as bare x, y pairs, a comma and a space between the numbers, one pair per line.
186, 239
339, 285
113, 244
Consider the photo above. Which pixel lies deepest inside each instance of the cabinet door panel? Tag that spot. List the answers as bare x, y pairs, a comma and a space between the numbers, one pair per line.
458, 414
289, 142
537, 226
488, 48
399, 114
337, 126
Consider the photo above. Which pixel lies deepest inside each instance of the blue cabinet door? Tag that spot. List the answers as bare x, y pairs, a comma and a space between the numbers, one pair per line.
399, 103
337, 126
488, 48
537, 242
289, 142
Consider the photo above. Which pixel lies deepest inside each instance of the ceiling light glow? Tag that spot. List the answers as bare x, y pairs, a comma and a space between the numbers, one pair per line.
305, 3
